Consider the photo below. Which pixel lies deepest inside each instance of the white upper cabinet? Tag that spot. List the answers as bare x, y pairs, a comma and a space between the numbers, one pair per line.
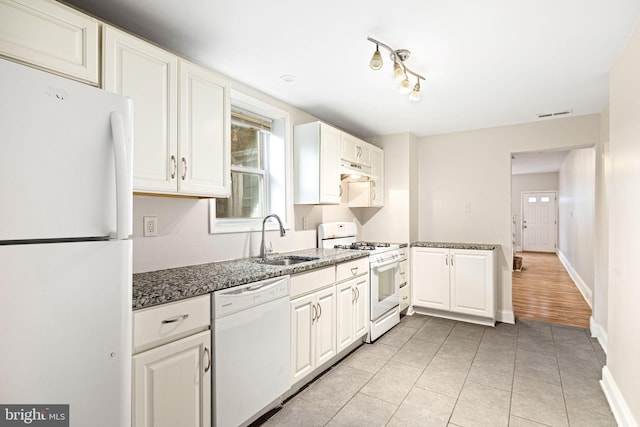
316, 164
51, 36
355, 150
181, 118
377, 170
149, 76
204, 139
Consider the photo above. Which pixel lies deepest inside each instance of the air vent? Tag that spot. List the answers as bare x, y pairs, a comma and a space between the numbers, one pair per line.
559, 113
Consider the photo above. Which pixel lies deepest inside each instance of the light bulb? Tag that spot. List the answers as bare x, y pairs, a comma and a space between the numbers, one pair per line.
405, 86
376, 60
415, 93
398, 72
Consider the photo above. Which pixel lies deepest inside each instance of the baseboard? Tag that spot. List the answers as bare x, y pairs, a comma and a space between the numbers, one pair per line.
580, 284
598, 333
518, 248
506, 316
618, 405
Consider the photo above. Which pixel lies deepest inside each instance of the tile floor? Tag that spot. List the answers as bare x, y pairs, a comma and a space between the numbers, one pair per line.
429, 371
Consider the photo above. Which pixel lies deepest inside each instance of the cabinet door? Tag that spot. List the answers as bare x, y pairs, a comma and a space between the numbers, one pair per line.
302, 344
355, 150
430, 277
345, 302
172, 384
361, 308
330, 190
472, 282
52, 36
147, 75
204, 133
325, 326
377, 170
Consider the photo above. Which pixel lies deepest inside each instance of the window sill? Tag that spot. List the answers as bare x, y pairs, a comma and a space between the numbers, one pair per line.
225, 226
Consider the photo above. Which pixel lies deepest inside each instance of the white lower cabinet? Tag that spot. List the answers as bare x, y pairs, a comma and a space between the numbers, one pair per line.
172, 364
459, 281
313, 331
353, 311
172, 384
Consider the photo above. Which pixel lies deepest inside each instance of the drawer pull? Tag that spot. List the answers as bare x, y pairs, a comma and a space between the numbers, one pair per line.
175, 319
208, 353
354, 270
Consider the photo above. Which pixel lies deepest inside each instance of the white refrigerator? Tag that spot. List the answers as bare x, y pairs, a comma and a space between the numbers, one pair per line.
65, 252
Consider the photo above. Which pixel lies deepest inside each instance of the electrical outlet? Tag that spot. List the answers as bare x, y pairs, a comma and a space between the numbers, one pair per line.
150, 228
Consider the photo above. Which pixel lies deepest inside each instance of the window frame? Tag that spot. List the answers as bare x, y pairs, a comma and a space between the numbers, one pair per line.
282, 123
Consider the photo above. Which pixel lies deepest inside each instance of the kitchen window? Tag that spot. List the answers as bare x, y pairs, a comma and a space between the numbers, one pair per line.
259, 168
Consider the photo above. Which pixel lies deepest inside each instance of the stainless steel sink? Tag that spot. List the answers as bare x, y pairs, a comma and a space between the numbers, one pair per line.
289, 260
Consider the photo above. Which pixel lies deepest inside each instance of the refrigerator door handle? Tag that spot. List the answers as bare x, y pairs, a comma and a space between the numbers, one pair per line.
123, 177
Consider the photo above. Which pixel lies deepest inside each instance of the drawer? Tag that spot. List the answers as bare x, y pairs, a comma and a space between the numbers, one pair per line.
311, 281
351, 269
158, 325
403, 253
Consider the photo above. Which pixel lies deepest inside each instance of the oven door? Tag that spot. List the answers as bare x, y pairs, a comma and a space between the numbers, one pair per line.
385, 290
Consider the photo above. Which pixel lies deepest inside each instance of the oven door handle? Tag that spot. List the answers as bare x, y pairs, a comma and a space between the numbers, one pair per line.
385, 264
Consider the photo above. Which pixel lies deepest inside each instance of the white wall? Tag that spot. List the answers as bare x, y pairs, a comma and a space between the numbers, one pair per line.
392, 223
600, 313
475, 167
621, 376
528, 182
576, 205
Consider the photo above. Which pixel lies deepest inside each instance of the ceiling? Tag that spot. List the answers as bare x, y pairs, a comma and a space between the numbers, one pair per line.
489, 63
537, 162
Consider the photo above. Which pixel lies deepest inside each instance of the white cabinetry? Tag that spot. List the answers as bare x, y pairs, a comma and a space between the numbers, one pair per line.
457, 283
355, 150
181, 118
313, 321
370, 193
172, 365
316, 164
352, 293
51, 36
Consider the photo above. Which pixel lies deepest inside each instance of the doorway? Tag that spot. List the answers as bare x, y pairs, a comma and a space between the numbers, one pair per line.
539, 221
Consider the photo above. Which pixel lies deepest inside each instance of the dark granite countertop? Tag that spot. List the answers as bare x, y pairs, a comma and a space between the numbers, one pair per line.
453, 245
163, 286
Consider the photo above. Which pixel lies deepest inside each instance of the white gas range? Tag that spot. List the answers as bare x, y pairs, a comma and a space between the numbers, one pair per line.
384, 273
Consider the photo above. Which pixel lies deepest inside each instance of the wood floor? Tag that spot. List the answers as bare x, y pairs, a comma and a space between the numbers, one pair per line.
544, 291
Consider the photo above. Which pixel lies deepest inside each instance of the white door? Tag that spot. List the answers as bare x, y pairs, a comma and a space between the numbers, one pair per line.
539, 230
302, 347
172, 384
65, 311
325, 328
147, 75
330, 190
361, 321
430, 277
345, 295
204, 138
471, 292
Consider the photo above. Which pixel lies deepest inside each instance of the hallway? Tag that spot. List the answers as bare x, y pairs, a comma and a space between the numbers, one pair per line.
545, 292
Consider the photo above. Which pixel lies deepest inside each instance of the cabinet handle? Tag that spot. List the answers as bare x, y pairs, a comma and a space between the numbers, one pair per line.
184, 169
319, 311
353, 295
358, 294
175, 319
175, 167
405, 298
340, 190
354, 270
451, 260
446, 259
206, 351
313, 313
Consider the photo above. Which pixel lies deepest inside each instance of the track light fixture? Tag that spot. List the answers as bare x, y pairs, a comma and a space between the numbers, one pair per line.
400, 69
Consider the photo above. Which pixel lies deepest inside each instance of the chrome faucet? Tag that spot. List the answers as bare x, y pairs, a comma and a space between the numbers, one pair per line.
263, 250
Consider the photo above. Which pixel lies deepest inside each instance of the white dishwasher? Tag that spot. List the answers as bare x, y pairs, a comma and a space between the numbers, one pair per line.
251, 342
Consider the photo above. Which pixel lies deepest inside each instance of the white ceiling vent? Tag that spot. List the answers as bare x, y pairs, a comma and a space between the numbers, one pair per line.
559, 113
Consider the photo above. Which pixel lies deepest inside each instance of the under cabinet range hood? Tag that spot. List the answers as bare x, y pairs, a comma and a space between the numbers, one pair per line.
350, 171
